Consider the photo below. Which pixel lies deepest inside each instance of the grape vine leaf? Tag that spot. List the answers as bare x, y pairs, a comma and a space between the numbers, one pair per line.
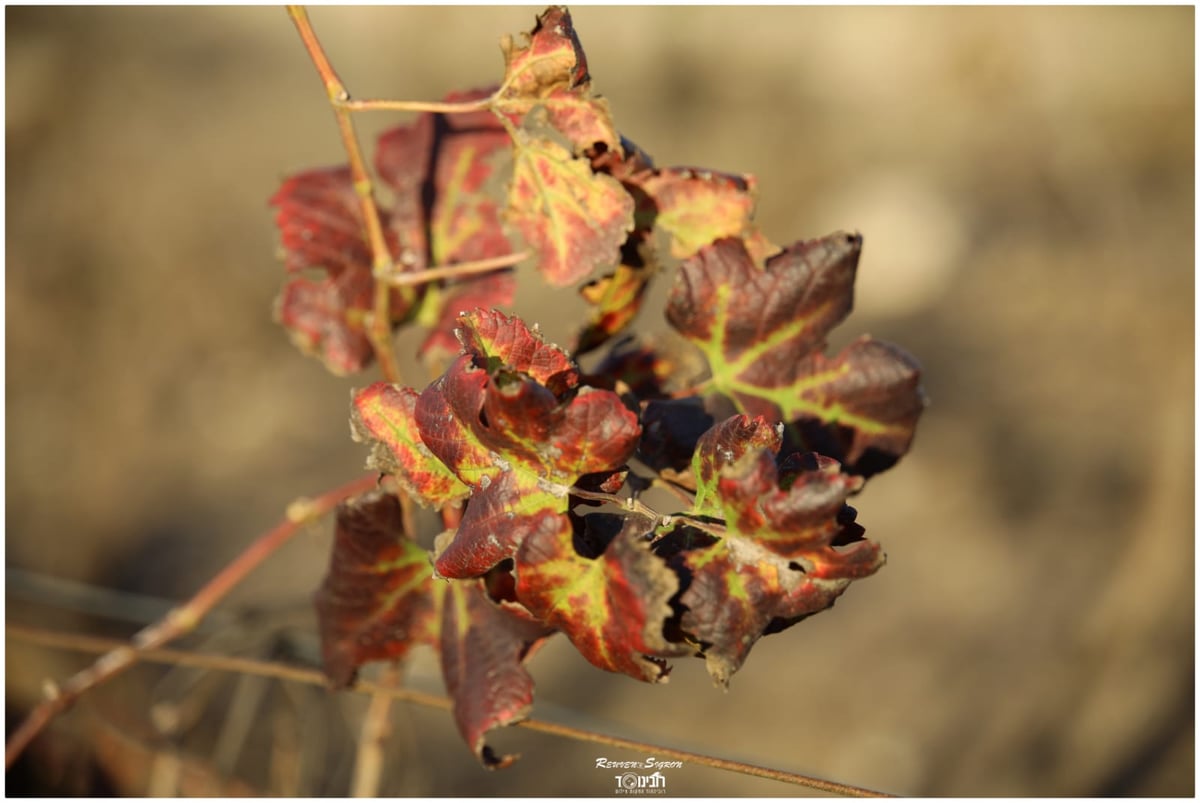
380, 599
377, 601
510, 419
483, 650
440, 168
548, 70
382, 415
612, 607
693, 206
723, 445
763, 329
792, 546
321, 228
573, 219
326, 318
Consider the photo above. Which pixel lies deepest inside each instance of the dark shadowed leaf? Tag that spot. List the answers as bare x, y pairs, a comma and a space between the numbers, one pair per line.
763, 331
380, 599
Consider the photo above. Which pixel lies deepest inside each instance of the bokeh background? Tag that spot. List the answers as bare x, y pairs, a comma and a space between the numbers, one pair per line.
1024, 180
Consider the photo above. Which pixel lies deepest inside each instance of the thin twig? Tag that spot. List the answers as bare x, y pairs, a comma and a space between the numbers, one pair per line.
181, 620
457, 271
86, 643
437, 107
628, 503
380, 329
376, 728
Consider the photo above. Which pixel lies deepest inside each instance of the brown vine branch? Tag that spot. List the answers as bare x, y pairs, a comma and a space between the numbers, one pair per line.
181, 620
457, 270
373, 735
86, 643
415, 106
380, 330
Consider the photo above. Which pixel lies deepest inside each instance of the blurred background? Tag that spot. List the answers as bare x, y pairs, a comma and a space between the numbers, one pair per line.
1024, 181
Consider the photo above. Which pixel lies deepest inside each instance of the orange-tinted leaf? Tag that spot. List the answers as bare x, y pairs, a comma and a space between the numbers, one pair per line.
694, 206
763, 332
573, 219
548, 69
613, 607
616, 299
382, 415
378, 600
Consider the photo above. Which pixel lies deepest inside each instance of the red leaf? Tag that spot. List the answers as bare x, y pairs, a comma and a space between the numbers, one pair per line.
320, 222
613, 608
791, 546
325, 318
439, 168
763, 331
321, 225
377, 601
383, 415
509, 419
573, 219
493, 290
724, 445
483, 648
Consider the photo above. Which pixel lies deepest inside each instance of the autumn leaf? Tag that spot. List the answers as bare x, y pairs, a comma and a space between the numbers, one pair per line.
326, 318
511, 421
380, 599
320, 222
693, 206
548, 70
616, 299
440, 169
612, 607
483, 649
723, 445
382, 415
573, 219
791, 546
763, 332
